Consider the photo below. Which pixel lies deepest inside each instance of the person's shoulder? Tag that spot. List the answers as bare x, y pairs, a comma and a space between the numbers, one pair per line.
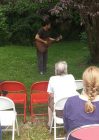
73, 98
70, 76
72, 101
53, 77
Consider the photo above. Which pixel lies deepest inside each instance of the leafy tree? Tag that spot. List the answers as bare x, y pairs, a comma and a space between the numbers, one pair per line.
89, 13
21, 19
4, 33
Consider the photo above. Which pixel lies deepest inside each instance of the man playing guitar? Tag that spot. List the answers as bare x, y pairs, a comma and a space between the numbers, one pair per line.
43, 40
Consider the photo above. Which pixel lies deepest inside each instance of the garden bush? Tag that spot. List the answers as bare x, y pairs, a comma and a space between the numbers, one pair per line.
4, 33
21, 19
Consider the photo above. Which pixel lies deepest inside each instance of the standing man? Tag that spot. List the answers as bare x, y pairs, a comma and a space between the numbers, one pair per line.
42, 43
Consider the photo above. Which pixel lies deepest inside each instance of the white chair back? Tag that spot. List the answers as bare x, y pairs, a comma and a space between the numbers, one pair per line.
58, 120
59, 105
6, 104
79, 84
8, 115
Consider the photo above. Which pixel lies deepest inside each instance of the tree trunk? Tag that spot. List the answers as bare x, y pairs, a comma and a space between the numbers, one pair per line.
92, 29
93, 45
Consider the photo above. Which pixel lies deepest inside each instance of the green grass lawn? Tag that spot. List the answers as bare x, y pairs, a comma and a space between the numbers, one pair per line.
19, 63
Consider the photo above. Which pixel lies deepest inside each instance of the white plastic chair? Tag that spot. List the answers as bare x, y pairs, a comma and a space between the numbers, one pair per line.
58, 121
79, 84
8, 116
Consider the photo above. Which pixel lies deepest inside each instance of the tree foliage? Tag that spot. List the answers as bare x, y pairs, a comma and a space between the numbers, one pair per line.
89, 13
20, 20
4, 33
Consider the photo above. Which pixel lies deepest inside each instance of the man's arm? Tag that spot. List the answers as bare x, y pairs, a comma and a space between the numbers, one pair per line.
37, 37
56, 39
52, 39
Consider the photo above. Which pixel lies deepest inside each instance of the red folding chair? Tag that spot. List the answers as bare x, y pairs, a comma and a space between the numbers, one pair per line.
38, 96
0, 88
16, 91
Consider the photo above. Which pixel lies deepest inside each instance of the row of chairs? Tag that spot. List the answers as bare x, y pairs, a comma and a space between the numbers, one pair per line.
8, 120
17, 92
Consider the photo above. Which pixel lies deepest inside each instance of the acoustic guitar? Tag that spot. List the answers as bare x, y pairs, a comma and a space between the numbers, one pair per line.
42, 47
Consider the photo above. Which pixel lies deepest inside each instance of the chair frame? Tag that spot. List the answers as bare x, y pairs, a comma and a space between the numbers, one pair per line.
18, 93
9, 107
35, 93
59, 105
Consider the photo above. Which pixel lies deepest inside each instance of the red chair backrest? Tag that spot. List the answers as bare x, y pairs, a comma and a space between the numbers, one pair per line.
39, 86
0, 86
0, 89
12, 86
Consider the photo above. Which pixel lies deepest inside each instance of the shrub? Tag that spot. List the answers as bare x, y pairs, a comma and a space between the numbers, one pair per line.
4, 33
21, 19
24, 20
83, 37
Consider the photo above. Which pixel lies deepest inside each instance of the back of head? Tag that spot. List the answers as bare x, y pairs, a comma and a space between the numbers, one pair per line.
45, 22
91, 86
61, 68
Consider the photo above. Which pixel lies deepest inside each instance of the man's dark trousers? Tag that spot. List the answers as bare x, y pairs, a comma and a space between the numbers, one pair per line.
42, 61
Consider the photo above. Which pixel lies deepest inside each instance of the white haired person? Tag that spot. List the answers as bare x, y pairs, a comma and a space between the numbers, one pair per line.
61, 85
83, 109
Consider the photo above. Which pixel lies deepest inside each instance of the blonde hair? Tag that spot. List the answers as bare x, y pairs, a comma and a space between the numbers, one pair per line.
91, 86
61, 68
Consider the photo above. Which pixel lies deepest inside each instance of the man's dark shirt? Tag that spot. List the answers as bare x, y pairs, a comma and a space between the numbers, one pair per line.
43, 34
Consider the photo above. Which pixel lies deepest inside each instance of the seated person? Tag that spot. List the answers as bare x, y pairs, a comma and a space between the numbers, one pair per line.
83, 109
61, 85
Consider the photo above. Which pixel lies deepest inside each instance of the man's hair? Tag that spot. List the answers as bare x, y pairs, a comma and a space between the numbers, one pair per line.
45, 22
61, 68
